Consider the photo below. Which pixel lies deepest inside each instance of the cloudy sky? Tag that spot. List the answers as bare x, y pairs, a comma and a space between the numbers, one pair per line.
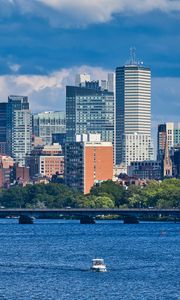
44, 43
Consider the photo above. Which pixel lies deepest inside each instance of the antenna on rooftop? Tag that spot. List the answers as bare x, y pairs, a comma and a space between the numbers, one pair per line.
133, 56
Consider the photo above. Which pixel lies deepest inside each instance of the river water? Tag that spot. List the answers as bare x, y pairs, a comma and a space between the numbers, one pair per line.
50, 260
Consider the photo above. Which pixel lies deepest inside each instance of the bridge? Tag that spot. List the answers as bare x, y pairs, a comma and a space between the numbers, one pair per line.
88, 215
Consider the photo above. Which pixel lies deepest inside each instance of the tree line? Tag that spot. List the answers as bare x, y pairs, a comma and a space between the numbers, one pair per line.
165, 194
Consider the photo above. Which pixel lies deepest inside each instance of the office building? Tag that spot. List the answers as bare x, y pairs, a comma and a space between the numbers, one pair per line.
104, 85
89, 110
176, 161
169, 131
161, 141
176, 134
3, 128
45, 161
47, 123
136, 147
111, 82
19, 128
88, 161
133, 113
59, 138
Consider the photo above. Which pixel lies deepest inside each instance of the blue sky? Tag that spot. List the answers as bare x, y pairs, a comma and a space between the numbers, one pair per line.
44, 43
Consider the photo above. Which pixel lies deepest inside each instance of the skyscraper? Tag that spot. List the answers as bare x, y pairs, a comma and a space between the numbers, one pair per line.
3, 128
19, 128
89, 110
133, 113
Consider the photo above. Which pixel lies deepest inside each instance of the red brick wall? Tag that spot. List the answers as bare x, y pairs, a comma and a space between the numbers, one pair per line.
98, 165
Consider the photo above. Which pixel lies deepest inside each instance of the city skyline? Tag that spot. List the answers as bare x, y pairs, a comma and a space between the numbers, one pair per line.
55, 40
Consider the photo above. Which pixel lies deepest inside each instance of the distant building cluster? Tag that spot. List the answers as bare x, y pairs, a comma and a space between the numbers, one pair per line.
104, 134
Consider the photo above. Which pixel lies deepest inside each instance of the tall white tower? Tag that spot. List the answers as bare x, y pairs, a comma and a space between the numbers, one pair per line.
133, 113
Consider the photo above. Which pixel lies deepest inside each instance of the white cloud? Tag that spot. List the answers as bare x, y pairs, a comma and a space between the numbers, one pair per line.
14, 67
48, 92
45, 92
84, 12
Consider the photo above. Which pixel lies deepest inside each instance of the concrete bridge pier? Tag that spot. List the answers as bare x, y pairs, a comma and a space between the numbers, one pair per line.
87, 220
131, 220
24, 219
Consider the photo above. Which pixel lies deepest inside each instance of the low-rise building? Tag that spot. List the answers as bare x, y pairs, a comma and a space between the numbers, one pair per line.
146, 170
46, 161
6, 170
21, 175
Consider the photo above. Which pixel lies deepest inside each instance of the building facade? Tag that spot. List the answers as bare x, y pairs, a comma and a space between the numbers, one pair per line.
146, 170
169, 131
87, 162
136, 147
47, 123
133, 111
176, 134
19, 128
89, 110
161, 141
176, 161
59, 138
109, 83
3, 128
81, 79
46, 161
6, 170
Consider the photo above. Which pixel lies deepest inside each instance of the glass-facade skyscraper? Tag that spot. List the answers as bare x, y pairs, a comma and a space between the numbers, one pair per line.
89, 110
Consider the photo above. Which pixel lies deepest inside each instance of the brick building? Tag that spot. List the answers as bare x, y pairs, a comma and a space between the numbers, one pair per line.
46, 161
87, 162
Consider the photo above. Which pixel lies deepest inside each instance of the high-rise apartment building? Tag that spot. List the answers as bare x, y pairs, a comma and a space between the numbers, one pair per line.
3, 128
89, 110
19, 128
87, 162
133, 113
45, 124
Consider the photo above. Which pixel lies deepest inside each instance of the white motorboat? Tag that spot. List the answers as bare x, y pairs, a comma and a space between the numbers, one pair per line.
98, 265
